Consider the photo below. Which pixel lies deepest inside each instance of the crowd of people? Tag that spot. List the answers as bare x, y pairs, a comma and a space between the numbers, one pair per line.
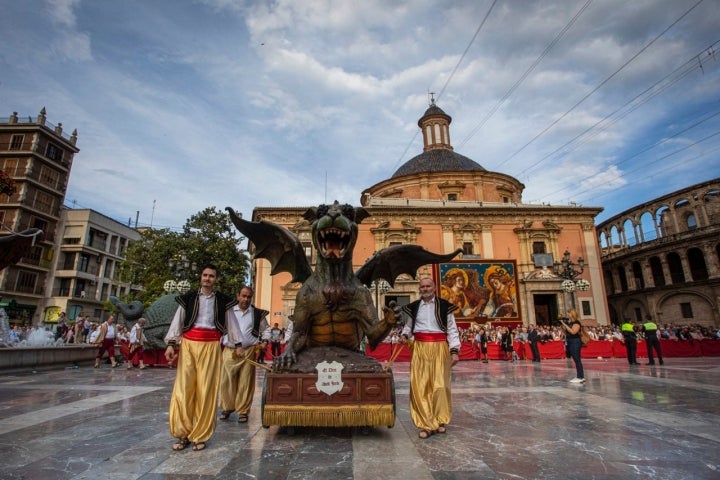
520, 333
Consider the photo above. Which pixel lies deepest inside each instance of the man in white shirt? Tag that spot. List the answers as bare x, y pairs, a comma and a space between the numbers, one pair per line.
199, 323
436, 349
237, 379
105, 339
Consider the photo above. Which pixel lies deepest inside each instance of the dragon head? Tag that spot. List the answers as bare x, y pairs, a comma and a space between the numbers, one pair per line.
335, 229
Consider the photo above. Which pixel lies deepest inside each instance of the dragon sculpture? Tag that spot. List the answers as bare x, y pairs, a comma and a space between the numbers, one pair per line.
333, 309
158, 317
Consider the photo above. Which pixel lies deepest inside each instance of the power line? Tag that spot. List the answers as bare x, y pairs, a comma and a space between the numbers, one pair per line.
645, 96
658, 143
537, 61
594, 90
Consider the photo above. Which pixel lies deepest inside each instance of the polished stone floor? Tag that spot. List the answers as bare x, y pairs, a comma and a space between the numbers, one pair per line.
510, 421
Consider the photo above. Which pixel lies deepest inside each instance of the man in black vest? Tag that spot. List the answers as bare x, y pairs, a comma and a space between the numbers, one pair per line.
237, 380
436, 349
199, 323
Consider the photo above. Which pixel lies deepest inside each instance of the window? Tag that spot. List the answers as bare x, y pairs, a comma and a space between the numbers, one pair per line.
691, 222
49, 177
44, 202
452, 197
586, 310
16, 142
40, 223
84, 261
686, 310
539, 247
26, 282
467, 248
53, 152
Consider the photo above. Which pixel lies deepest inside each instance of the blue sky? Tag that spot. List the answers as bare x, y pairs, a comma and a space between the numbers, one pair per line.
181, 105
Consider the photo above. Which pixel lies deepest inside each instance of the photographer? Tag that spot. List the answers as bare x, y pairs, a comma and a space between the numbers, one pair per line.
572, 327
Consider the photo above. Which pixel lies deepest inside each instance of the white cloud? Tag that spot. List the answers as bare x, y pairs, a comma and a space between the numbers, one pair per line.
245, 103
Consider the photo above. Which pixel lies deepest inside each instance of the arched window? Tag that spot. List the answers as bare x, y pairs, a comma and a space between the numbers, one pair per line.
623, 279
698, 268
637, 275
691, 222
676, 271
657, 272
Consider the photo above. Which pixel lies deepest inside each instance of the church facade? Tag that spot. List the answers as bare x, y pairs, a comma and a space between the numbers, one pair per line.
511, 269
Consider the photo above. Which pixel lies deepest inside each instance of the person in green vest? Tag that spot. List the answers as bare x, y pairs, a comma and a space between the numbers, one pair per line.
630, 341
652, 341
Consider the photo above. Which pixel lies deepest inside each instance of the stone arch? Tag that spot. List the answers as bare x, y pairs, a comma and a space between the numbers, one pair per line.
696, 262
677, 275
656, 269
628, 230
635, 310
648, 229
663, 215
670, 310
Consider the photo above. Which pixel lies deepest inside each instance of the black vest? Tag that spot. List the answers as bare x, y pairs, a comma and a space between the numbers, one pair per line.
191, 303
442, 309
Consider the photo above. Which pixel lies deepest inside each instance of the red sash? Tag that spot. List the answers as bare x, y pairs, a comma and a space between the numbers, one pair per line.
430, 337
202, 335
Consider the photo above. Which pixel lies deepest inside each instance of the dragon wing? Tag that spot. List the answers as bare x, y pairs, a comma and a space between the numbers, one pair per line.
277, 244
390, 262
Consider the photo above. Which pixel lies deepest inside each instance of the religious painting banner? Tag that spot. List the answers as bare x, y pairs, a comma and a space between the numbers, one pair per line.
483, 290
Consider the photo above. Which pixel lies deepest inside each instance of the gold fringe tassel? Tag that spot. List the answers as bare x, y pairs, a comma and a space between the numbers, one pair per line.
323, 416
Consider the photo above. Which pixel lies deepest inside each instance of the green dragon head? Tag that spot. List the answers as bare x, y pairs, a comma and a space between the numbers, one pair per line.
335, 230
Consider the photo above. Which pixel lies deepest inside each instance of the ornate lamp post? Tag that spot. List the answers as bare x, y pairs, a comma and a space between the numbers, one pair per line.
566, 269
380, 286
180, 267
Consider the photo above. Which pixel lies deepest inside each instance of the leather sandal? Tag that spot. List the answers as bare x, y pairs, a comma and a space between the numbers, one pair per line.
242, 417
198, 446
424, 434
441, 428
225, 414
181, 444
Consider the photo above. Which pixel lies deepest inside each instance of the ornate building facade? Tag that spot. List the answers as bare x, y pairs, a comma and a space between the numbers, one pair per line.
661, 259
444, 201
38, 156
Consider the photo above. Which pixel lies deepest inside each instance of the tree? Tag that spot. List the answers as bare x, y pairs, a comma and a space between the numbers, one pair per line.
207, 237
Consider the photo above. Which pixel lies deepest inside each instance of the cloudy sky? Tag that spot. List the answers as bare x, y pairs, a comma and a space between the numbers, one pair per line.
181, 105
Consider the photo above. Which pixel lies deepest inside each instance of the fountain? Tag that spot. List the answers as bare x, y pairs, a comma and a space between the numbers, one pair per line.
39, 349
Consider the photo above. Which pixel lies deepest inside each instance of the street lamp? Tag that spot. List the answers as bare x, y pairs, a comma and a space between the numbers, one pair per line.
180, 267
566, 269
380, 286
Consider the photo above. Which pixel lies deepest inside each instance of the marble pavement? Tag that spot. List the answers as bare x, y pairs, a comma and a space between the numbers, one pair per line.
511, 421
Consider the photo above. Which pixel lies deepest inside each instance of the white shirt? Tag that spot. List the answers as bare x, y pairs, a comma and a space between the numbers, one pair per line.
134, 334
205, 318
110, 333
425, 322
242, 324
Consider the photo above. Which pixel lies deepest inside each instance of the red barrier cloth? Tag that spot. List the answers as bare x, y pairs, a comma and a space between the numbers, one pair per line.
548, 350
709, 348
597, 348
681, 348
